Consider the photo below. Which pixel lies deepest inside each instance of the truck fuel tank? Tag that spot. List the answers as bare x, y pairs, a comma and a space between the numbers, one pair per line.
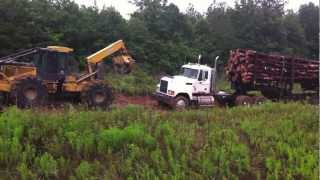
205, 100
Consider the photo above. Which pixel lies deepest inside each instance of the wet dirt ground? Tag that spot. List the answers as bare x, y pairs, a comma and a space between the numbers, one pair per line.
146, 101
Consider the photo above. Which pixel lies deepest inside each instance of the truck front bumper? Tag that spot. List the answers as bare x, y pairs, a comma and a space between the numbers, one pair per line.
164, 98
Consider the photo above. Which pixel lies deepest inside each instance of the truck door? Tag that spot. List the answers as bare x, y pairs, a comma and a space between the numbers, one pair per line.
203, 83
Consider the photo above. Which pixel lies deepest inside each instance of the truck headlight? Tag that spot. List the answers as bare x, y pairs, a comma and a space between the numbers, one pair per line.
170, 92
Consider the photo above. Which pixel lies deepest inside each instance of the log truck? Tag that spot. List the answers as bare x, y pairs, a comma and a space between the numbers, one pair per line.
29, 76
247, 70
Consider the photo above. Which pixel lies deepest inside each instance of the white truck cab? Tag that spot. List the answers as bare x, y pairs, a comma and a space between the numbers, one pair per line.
195, 84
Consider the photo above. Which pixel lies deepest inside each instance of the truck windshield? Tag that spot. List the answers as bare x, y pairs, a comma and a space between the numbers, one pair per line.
190, 73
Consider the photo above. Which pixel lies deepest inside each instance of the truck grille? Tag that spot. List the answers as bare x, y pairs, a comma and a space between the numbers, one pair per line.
163, 86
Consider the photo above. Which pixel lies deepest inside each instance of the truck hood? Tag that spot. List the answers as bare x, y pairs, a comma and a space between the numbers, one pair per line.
178, 79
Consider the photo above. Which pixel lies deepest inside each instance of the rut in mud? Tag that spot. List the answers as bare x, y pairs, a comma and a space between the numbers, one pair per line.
146, 101
120, 100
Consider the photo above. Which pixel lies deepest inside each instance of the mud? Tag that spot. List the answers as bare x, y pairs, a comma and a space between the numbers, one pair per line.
146, 101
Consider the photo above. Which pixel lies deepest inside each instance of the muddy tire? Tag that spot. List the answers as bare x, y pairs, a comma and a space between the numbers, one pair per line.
244, 101
97, 96
260, 100
29, 93
314, 100
181, 103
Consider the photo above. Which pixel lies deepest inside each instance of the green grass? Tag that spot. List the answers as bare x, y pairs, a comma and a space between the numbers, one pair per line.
272, 141
137, 82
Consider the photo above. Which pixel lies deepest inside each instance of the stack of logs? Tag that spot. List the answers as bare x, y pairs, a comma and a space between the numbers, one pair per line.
251, 67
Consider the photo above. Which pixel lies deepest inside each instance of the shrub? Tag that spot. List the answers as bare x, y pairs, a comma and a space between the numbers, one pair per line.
46, 165
24, 172
114, 139
137, 82
84, 171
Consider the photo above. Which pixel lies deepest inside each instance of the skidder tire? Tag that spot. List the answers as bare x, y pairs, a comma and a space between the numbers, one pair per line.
97, 96
181, 103
29, 92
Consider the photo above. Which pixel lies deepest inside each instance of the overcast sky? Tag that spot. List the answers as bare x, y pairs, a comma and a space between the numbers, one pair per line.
125, 8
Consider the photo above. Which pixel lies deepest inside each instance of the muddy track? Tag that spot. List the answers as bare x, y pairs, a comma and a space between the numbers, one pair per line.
120, 100
124, 100
256, 164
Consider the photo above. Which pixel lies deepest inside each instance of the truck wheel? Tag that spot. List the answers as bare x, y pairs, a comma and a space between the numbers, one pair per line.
243, 100
181, 103
260, 100
97, 96
29, 93
314, 100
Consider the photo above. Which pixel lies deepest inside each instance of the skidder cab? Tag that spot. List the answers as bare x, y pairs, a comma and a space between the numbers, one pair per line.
194, 85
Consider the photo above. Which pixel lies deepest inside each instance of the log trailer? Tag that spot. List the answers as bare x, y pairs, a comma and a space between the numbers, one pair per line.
273, 75
28, 77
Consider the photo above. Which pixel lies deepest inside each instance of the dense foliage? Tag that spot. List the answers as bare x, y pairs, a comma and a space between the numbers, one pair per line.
136, 83
158, 34
273, 141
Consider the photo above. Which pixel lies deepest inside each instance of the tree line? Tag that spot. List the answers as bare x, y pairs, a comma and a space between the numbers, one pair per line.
158, 34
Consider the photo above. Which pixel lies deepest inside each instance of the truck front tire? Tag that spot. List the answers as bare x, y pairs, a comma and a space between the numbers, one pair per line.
181, 103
